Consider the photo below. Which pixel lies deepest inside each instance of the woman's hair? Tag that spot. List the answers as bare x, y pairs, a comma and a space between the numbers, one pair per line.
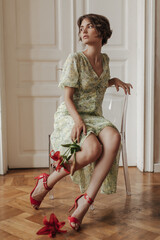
101, 24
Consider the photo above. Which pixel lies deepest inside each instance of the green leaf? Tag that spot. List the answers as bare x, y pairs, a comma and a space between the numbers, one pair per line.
69, 157
66, 145
79, 148
74, 156
72, 150
75, 147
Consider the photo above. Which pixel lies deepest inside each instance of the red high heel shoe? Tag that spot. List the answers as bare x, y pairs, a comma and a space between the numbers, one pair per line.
34, 202
73, 219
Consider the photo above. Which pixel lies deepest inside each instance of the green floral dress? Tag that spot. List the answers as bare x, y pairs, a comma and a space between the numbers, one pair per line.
88, 96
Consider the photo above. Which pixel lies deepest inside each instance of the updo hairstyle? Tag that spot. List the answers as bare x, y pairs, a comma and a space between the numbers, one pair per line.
101, 24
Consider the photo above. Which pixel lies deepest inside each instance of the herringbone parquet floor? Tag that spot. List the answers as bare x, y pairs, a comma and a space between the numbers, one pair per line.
115, 217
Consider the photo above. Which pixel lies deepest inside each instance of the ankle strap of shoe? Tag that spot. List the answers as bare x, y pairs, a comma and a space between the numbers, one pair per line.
45, 177
89, 200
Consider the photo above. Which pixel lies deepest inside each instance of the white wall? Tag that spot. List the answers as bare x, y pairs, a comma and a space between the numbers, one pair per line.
157, 88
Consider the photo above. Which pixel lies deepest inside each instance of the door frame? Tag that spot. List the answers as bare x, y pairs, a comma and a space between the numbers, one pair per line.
149, 88
145, 84
3, 118
145, 87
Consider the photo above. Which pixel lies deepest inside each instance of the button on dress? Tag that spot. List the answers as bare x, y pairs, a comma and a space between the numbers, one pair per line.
88, 96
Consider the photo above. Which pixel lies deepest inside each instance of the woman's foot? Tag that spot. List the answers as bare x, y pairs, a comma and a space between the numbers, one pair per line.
83, 203
40, 191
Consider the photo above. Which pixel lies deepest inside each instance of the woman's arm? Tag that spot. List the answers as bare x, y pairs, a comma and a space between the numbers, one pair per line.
118, 83
79, 125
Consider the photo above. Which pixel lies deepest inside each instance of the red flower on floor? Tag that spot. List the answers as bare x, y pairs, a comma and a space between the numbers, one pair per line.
52, 227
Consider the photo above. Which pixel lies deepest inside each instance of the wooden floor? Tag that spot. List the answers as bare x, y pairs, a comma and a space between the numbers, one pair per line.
115, 216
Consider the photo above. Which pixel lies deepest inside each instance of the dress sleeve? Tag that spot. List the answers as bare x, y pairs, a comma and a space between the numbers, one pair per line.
70, 75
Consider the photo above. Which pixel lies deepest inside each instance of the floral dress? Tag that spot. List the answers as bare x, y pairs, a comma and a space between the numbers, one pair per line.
88, 96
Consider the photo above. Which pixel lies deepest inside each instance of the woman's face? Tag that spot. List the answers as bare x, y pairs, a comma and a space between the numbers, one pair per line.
88, 33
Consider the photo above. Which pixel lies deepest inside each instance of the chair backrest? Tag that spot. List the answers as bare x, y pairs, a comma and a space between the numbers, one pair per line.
115, 107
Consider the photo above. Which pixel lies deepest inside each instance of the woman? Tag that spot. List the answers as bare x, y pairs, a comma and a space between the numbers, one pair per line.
85, 78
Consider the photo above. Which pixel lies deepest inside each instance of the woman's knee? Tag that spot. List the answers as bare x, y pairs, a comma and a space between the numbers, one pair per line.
116, 138
110, 138
93, 150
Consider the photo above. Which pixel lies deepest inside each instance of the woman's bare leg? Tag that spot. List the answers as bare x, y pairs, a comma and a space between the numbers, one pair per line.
90, 151
110, 139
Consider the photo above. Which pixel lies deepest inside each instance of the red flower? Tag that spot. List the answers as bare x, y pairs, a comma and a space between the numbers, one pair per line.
55, 155
59, 166
61, 160
51, 153
52, 227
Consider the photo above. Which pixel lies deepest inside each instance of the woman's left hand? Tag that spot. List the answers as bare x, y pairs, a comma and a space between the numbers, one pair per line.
118, 83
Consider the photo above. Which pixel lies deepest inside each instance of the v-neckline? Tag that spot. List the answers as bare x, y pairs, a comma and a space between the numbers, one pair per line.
99, 76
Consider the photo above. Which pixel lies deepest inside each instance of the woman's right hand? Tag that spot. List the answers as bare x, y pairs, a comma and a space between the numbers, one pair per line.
78, 127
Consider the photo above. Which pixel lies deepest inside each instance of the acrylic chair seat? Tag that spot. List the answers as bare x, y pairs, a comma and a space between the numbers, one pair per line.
115, 110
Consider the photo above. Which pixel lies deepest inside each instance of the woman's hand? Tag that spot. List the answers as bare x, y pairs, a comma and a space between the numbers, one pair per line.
118, 83
78, 127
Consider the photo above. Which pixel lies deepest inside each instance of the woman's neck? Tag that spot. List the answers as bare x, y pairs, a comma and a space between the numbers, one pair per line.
93, 52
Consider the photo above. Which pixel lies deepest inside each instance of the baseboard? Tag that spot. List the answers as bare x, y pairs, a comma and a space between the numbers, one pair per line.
157, 167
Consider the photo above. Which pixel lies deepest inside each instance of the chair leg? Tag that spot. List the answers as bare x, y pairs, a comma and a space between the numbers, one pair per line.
51, 196
125, 166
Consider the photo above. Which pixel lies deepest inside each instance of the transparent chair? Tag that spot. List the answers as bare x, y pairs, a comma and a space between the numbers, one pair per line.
51, 168
115, 110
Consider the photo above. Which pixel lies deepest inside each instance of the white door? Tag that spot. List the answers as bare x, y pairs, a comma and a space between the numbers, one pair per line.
35, 47
39, 35
122, 50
